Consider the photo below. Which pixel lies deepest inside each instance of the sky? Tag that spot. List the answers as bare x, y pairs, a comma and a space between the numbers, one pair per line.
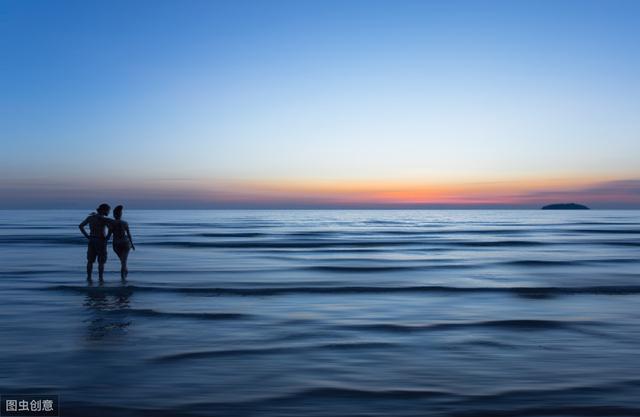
304, 104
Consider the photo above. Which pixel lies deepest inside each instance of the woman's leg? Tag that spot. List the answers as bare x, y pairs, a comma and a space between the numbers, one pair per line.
124, 255
118, 250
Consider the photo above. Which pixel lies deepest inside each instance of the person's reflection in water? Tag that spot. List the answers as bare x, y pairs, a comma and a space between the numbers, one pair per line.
109, 309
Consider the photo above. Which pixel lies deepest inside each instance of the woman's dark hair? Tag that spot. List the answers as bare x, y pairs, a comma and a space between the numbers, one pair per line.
103, 209
117, 212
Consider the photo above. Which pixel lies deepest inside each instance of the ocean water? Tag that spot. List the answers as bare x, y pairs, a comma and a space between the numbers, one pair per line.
328, 313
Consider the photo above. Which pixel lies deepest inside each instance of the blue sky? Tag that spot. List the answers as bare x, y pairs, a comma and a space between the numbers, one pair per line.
274, 103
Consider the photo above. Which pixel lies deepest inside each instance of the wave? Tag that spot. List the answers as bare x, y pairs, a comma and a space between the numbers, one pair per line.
273, 291
488, 343
377, 243
632, 243
33, 227
231, 224
604, 223
316, 233
270, 350
43, 239
327, 245
330, 400
313, 244
408, 402
541, 263
34, 272
383, 222
453, 232
505, 397
320, 240
605, 231
189, 315
535, 262
513, 324
305, 233
343, 392
498, 243
237, 234
283, 244
372, 269
413, 232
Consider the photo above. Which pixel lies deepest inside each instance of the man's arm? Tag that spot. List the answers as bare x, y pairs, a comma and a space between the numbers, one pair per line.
82, 225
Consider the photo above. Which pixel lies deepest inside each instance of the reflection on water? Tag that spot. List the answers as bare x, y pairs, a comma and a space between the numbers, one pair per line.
108, 312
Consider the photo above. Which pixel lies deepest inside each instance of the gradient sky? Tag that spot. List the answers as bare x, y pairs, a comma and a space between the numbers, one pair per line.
319, 103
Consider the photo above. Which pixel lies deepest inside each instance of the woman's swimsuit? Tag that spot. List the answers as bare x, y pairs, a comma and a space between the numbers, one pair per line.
121, 244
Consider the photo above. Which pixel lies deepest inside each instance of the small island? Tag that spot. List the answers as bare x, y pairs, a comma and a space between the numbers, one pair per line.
565, 206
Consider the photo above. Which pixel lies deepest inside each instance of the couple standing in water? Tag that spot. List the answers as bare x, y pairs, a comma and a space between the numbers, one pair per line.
101, 228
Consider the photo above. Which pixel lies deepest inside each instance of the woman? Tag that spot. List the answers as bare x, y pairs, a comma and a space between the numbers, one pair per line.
122, 241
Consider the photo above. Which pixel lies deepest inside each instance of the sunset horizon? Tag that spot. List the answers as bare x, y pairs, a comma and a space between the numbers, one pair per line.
191, 194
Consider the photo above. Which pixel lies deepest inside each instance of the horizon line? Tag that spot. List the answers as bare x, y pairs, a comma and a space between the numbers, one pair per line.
312, 208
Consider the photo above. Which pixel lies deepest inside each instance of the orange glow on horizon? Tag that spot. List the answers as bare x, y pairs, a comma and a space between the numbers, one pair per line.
200, 192
385, 192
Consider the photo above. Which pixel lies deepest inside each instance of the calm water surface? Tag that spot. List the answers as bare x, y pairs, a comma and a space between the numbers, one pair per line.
328, 313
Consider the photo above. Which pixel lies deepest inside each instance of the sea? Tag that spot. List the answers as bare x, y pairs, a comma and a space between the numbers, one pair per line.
327, 313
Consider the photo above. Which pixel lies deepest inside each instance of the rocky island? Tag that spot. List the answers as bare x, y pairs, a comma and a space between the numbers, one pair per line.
565, 206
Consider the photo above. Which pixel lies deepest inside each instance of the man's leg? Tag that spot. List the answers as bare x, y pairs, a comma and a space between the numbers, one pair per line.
101, 271
91, 257
102, 258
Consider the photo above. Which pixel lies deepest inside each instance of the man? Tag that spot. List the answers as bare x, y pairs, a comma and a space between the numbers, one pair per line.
99, 233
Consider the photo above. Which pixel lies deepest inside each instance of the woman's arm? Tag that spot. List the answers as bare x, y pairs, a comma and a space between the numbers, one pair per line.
126, 228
